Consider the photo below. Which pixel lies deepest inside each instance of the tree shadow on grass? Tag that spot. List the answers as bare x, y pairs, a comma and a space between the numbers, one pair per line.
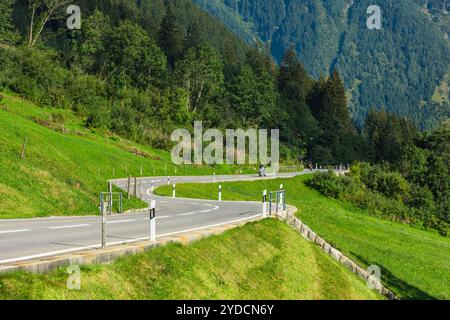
402, 289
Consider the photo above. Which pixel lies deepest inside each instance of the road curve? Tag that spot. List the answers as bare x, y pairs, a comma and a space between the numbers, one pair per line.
25, 239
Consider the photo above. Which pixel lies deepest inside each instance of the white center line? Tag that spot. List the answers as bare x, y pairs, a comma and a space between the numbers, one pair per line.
73, 226
121, 221
160, 217
15, 231
186, 214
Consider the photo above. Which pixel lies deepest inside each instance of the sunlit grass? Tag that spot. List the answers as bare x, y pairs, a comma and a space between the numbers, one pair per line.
414, 263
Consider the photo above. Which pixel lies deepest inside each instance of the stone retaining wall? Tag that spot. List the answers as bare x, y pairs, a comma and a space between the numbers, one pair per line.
290, 218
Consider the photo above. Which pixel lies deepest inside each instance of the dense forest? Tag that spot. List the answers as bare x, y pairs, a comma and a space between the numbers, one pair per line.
140, 69
142, 80
401, 68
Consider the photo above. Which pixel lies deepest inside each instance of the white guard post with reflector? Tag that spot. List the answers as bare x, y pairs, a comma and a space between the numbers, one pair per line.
153, 220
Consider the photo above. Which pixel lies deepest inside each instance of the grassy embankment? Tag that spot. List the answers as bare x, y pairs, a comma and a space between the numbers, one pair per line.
66, 166
263, 260
414, 263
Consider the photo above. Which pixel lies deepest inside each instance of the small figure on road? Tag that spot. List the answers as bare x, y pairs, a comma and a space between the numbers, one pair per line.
262, 171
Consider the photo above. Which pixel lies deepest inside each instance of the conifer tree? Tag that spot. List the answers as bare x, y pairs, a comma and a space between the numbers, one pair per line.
6, 25
170, 37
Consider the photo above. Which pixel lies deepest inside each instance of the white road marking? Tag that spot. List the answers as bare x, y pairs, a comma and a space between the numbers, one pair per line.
53, 253
120, 221
15, 231
159, 217
187, 214
73, 226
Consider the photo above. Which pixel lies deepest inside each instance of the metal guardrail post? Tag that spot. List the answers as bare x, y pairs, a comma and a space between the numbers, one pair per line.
103, 211
264, 200
120, 202
277, 202
270, 203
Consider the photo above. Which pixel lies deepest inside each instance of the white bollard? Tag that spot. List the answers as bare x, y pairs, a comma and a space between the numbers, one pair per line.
152, 187
173, 192
220, 193
281, 195
214, 177
168, 180
153, 220
264, 203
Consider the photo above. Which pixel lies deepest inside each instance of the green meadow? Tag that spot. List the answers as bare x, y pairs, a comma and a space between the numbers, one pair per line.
414, 263
263, 260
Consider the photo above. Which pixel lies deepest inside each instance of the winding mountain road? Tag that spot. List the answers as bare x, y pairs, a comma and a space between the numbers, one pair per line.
25, 239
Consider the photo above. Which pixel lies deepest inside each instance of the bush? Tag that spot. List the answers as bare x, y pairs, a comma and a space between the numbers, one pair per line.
391, 184
327, 183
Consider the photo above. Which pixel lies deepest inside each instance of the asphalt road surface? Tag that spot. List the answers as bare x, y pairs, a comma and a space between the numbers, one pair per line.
25, 239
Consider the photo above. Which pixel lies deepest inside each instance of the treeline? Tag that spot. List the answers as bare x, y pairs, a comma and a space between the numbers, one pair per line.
142, 83
413, 188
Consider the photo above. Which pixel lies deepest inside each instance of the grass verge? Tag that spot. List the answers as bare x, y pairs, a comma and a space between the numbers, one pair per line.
65, 165
262, 260
414, 263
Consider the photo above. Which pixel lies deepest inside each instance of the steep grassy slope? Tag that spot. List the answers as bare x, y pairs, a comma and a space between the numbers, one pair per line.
65, 165
264, 260
414, 263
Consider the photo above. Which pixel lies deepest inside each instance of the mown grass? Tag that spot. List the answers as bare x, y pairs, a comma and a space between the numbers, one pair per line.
263, 260
66, 166
414, 263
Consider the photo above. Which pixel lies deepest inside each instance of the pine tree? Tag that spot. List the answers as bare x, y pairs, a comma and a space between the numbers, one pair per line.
170, 38
6, 26
293, 79
194, 36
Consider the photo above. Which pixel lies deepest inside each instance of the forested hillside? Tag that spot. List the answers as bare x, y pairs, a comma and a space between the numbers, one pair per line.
140, 69
398, 68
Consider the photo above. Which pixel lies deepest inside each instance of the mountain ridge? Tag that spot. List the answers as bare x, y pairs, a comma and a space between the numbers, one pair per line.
409, 55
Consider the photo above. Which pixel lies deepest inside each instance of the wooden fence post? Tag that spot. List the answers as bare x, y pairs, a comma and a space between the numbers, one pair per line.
24, 145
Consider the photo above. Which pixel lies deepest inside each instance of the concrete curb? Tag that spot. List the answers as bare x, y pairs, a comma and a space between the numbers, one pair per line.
109, 254
307, 233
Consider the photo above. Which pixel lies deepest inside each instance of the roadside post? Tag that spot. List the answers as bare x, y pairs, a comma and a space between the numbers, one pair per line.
109, 186
277, 202
281, 195
270, 203
103, 213
135, 187
120, 202
264, 200
168, 180
152, 220
152, 186
220, 192
128, 187
173, 191
214, 177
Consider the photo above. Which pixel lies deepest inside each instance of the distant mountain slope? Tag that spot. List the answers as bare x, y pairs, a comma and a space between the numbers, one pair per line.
398, 68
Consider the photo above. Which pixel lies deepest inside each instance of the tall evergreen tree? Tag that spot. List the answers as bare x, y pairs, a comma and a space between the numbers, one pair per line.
335, 115
170, 37
293, 79
194, 36
294, 84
